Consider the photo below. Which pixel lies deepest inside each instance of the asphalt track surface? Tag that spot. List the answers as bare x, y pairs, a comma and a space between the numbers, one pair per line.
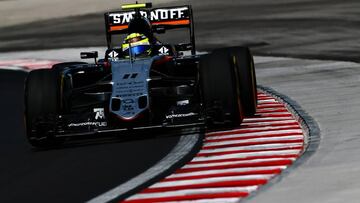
327, 90
75, 173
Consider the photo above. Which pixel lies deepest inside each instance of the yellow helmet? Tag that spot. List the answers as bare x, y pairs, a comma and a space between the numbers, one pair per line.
138, 44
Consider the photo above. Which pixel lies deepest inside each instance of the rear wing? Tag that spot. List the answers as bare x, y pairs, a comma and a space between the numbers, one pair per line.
160, 18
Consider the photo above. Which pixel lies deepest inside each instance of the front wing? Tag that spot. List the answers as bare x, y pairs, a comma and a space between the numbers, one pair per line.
99, 123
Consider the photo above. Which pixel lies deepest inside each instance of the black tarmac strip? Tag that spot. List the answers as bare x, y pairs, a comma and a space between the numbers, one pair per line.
74, 173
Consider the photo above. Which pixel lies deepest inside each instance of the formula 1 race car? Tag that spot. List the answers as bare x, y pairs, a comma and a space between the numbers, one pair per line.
124, 92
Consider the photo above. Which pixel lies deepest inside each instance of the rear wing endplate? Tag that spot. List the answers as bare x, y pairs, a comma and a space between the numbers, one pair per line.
160, 18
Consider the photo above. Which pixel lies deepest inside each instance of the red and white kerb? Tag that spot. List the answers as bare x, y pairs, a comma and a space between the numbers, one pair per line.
232, 164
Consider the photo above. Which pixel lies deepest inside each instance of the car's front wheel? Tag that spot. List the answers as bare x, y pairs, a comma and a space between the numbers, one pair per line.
245, 69
41, 101
220, 89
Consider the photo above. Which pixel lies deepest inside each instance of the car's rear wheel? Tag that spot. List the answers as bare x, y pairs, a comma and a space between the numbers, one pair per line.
220, 89
244, 63
41, 101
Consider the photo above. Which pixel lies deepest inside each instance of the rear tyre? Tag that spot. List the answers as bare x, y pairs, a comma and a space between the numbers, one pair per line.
244, 63
41, 101
220, 89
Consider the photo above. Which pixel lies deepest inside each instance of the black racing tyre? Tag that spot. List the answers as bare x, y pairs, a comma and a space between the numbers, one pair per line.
244, 62
220, 90
41, 100
65, 83
60, 66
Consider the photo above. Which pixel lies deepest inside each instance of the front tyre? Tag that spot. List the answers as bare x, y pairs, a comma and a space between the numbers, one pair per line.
244, 63
41, 101
220, 90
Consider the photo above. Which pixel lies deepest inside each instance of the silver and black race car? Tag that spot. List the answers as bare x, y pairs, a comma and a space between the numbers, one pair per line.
123, 92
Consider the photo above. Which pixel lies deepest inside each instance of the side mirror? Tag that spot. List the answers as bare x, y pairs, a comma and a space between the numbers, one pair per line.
89, 55
160, 30
183, 47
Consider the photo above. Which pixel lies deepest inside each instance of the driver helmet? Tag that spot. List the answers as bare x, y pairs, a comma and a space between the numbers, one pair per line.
137, 44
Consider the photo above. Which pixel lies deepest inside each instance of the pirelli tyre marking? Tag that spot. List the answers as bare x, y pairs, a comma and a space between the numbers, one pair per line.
232, 164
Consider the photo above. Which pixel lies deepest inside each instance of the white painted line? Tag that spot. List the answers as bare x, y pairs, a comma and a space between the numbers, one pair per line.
251, 141
273, 146
247, 155
267, 101
275, 114
247, 120
272, 110
213, 200
269, 123
192, 192
231, 170
244, 128
229, 163
268, 131
210, 180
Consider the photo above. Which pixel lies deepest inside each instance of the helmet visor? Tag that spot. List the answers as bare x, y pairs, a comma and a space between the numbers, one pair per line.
139, 50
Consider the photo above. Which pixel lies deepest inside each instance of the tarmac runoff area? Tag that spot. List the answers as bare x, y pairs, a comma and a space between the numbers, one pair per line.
14, 12
328, 91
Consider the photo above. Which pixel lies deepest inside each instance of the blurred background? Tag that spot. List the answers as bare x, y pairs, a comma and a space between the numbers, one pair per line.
301, 28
